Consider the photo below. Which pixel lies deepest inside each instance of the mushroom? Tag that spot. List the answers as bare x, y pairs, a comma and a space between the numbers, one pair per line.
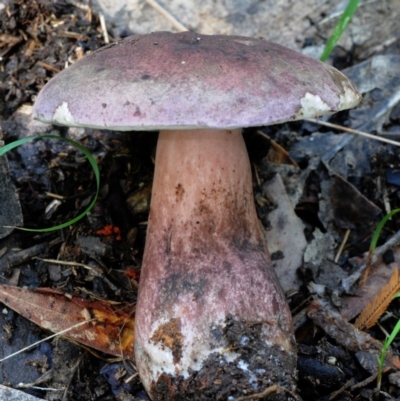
212, 322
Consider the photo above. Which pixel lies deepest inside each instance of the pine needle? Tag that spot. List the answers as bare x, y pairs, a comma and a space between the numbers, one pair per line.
375, 308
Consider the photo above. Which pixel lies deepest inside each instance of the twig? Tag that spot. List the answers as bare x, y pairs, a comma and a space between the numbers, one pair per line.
47, 338
131, 377
78, 4
47, 66
16, 258
258, 396
55, 196
104, 29
383, 330
256, 176
72, 35
369, 379
64, 263
22, 385
383, 189
342, 245
269, 390
342, 389
352, 131
180, 27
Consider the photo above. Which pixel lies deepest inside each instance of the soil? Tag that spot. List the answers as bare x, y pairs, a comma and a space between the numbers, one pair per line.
37, 39
214, 380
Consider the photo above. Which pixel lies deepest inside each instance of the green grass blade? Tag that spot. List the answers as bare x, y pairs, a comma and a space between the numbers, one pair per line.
385, 347
340, 28
92, 161
377, 233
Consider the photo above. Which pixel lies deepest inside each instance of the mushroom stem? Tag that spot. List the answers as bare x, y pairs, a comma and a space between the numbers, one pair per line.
211, 316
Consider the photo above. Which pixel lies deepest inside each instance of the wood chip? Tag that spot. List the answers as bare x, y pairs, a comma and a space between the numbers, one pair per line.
47, 66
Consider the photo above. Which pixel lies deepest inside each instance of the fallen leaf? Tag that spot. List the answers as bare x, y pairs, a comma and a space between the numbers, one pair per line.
378, 305
379, 275
109, 328
344, 205
276, 153
287, 235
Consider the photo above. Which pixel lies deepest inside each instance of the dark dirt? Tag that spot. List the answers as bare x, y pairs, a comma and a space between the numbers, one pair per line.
214, 380
37, 39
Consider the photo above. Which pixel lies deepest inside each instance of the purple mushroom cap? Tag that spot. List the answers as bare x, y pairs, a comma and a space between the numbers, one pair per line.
186, 80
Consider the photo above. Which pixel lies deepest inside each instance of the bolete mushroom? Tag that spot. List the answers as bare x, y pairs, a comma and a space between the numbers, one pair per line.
212, 322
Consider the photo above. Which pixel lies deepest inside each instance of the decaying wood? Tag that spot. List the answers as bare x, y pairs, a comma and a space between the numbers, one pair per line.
16, 258
345, 333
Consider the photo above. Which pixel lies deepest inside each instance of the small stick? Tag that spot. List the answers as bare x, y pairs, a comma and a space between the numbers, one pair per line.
258, 396
47, 66
342, 389
130, 378
72, 35
269, 390
78, 4
387, 335
16, 258
352, 131
64, 263
369, 379
47, 338
340, 250
386, 200
104, 29
257, 177
55, 196
180, 27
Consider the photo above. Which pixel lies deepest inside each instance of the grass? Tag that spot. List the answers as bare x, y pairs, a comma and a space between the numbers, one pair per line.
340, 27
396, 329
385, 347
377, 233
92, 161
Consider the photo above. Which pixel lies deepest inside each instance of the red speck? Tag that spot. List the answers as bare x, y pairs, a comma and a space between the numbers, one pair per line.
109, 230
132, 273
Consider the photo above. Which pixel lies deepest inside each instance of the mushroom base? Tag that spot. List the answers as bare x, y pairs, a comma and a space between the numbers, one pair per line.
212, 322
256, 367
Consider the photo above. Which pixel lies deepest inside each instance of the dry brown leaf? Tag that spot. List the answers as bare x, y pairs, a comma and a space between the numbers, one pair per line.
109, 329
378, 305
276, 153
